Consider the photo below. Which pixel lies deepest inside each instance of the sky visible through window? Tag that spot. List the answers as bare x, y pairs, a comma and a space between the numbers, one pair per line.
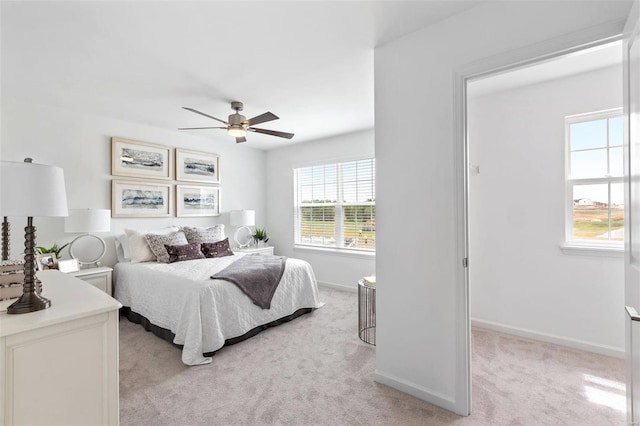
596, 173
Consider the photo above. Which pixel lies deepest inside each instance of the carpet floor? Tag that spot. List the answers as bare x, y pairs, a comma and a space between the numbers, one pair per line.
315, 371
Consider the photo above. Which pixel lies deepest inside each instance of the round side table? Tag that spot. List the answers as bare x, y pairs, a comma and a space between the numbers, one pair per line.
367, 312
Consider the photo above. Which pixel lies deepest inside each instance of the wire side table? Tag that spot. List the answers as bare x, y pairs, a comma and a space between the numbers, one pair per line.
367, 312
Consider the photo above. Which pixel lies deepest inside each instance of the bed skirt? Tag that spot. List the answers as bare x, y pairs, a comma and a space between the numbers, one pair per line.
167, 335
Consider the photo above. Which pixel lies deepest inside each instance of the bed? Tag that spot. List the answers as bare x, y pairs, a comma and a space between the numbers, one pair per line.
181, 302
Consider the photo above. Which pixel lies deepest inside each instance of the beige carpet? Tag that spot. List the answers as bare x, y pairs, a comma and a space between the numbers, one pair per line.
315, 370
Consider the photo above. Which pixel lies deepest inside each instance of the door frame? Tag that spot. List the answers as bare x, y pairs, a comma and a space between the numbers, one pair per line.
508, 61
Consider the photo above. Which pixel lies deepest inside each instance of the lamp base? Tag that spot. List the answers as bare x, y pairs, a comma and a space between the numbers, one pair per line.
28, 302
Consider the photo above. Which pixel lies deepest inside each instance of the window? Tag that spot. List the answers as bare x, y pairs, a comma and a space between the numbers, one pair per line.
335, 205
595, 187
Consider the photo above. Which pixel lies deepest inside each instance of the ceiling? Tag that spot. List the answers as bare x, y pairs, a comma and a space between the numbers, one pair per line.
583, 61
309, 62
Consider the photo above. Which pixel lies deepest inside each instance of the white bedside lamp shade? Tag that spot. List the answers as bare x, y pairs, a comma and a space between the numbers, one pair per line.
243, 219
35, 190
28, 189
86, 221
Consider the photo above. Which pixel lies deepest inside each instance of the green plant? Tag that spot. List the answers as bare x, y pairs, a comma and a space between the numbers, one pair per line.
53, 249
260, 235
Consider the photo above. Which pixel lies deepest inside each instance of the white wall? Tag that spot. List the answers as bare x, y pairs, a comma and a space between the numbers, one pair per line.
331, 268
419, 349
520, 281
81, 145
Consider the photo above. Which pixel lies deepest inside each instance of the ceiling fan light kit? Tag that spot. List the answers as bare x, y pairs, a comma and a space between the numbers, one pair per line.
238, 125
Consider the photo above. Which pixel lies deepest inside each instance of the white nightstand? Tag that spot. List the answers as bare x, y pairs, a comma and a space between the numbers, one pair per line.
98, 277
267, 251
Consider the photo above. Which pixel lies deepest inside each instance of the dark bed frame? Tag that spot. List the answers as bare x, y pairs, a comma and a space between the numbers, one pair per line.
167, 335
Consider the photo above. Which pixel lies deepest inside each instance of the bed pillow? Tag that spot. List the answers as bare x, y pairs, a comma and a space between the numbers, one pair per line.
183, 252
122, 248
196, 235
139, 250
158, 241
217, 249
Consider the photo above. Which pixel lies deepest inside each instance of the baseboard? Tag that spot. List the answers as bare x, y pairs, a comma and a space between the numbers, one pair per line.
414, 389
335, 286
550, 338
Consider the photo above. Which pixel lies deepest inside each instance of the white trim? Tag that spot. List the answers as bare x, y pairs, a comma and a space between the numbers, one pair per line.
414, 390
341, 287
335, 251
590, 249
550, 338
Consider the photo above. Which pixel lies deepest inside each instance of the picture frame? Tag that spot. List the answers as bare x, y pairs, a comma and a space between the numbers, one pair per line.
197, 201
197, 166
141, 199
140, 159
68, 265
46, 261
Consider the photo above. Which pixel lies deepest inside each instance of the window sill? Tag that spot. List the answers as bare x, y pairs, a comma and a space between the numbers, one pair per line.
335, 252
597, 250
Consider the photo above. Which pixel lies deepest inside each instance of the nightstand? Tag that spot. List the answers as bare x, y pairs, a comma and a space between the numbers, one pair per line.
267, 251
98, 277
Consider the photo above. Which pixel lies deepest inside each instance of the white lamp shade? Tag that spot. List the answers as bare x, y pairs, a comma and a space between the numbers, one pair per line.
242, 217
29, 189
88, 220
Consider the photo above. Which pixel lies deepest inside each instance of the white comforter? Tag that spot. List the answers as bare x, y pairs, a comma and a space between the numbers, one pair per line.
202, 312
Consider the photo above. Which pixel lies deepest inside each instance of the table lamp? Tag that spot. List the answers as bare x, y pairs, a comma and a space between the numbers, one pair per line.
31, 190
86, 221
243, 219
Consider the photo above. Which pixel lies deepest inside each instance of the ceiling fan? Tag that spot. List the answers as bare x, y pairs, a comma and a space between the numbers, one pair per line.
238, 125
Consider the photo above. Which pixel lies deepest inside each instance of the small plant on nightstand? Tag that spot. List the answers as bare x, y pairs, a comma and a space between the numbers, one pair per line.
53, 249
260, 235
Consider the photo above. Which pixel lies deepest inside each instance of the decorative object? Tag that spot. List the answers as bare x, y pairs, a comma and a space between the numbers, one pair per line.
260, 236
193, 201
140, 199
194, 166
53, 249
68, 265
243, 219
85, 222
46, 261
140, 159
367, 310
6, 234
21, 195
11, 278
199, 235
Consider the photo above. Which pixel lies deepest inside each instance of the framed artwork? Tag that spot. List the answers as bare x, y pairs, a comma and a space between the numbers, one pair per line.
197, 201
140, 159
140, 199
46, 261
194, 166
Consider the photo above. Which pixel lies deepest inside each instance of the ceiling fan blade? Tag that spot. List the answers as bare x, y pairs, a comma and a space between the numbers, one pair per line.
241, 139
262, 118
271, 132
198, 128
206, 115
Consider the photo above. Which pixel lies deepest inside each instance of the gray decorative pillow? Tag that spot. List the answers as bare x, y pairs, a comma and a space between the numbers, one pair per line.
197, 235
157, 243
217, 249
184, 252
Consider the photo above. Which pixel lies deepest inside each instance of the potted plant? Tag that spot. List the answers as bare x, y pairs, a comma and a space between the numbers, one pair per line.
53, 249
260, 237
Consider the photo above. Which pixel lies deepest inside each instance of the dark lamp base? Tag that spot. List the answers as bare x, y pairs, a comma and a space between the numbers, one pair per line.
28, 302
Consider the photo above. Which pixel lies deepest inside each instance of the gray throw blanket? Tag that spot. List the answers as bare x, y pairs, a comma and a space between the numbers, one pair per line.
257, 276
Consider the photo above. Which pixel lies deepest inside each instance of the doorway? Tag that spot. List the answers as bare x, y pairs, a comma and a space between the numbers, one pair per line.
524, 279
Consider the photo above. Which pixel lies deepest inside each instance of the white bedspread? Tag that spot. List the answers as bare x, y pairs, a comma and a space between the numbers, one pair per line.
202, 312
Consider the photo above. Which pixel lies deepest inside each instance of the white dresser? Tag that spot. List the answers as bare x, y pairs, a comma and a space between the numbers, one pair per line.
59, 366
